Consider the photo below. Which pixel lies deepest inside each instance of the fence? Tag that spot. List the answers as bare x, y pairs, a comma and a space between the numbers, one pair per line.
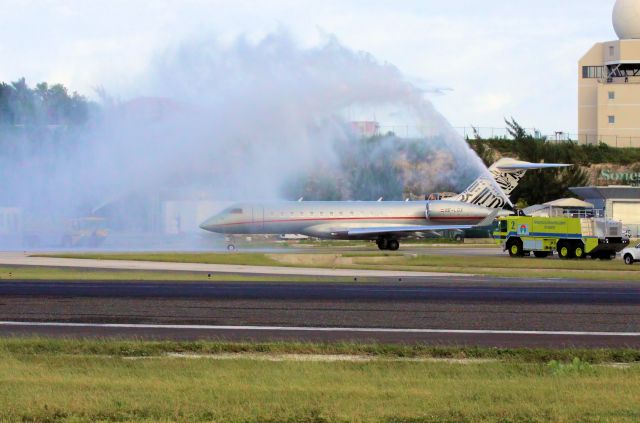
470, 132
610, 140
487, 132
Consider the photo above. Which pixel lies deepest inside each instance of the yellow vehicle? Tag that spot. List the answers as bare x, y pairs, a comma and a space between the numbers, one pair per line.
49, 232
571, 235
85, 232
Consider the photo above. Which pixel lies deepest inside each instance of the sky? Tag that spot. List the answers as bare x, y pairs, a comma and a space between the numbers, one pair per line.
478, 61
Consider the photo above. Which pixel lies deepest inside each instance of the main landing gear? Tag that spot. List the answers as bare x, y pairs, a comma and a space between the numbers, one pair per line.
388, 244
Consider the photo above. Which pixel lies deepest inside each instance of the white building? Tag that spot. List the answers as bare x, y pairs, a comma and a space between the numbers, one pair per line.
619, 203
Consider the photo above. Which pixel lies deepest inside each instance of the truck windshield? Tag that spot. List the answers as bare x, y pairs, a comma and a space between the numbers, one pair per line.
503, 226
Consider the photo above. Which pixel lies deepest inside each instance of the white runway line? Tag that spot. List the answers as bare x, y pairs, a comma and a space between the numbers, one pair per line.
315, 329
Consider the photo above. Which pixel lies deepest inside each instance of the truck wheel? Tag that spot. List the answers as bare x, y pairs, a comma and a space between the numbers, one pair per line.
578, 251
458, 238
383, 244
628, 259
515, 248
564, 250
541, 254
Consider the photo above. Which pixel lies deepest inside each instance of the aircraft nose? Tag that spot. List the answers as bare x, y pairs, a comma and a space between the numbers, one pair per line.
211, 224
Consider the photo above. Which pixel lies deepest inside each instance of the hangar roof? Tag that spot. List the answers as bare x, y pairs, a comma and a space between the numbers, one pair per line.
606, 193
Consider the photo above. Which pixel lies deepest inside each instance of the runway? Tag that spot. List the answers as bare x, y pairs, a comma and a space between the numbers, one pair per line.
435, 310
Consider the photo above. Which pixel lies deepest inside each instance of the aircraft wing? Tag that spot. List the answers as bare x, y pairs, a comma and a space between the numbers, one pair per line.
420, 228
404, 229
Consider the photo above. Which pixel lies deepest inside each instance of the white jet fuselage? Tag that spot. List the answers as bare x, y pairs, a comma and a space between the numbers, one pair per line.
337, 219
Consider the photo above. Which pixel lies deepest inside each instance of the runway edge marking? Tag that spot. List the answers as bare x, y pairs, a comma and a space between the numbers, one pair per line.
315, 329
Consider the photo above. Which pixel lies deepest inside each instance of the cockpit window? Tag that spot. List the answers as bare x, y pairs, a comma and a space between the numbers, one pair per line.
235, 211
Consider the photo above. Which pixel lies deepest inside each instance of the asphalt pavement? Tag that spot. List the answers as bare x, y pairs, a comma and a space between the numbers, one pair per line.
451, 310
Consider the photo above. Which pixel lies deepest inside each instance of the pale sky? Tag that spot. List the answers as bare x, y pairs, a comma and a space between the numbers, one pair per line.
492, 59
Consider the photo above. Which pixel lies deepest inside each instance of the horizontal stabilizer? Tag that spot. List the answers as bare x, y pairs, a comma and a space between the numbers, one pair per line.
531, 166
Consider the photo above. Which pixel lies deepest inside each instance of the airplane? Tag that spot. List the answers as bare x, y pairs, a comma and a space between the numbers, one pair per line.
385, 222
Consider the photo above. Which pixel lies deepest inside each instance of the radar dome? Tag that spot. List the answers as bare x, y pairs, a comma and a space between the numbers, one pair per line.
626, 19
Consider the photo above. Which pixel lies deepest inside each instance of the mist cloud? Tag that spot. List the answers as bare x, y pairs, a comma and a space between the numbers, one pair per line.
245, 121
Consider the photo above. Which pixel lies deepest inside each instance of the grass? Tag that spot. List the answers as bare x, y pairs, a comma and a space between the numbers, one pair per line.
246, 259
37, 273
508, 267
499, 266
44, 380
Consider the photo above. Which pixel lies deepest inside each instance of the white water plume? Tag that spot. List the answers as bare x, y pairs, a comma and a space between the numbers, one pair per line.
246, 121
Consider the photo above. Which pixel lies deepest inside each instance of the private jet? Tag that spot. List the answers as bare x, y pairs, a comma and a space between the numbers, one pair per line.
385, 222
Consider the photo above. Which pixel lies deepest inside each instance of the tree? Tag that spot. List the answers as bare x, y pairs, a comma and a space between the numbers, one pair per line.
542, 186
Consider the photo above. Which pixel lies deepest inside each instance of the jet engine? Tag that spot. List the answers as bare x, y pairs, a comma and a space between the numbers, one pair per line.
455, 212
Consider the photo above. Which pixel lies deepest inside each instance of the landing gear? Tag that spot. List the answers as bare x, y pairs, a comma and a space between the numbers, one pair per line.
393, 245
388, 244
231, 248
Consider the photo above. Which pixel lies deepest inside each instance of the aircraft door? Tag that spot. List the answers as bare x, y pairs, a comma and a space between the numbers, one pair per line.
258, 219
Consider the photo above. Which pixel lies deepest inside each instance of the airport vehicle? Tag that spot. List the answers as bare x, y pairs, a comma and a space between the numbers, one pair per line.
88, 232
631, 255
385, 222
572, 234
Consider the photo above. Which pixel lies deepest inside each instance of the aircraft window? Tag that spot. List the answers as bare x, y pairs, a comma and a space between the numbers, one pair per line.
301, 213
331, 213
341, 213
236, 211
321, 213
352, 212
311, 213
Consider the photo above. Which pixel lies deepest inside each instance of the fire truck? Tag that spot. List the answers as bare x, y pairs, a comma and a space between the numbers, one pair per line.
570, 234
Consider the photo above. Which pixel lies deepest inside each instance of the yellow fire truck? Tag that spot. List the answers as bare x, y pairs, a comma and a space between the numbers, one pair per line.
571, 234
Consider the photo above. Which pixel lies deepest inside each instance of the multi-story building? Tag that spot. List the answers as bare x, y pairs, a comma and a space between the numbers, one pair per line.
609, 84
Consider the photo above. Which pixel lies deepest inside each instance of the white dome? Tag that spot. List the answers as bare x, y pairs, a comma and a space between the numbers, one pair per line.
626, 19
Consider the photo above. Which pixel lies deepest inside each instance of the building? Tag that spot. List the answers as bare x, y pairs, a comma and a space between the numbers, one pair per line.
366, 129
619, 203
609, 84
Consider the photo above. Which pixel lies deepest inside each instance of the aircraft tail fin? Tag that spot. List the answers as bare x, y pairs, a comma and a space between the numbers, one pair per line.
506, 175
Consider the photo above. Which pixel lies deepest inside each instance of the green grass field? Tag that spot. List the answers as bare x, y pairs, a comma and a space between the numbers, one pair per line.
44, 380
246, 259
502, 266
37, 273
